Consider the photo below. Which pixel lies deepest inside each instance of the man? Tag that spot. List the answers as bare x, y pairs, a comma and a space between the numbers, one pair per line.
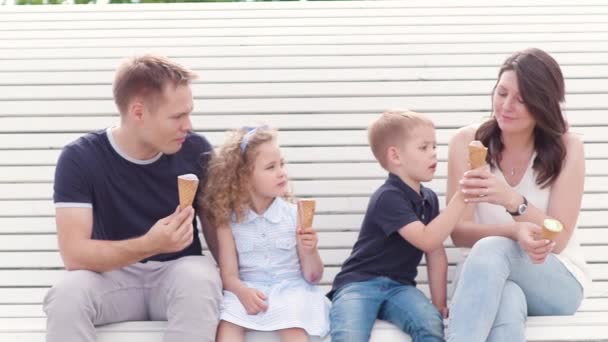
130, 251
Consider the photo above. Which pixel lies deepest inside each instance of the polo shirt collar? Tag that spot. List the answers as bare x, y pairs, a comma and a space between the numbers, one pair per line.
409, 193
272, 214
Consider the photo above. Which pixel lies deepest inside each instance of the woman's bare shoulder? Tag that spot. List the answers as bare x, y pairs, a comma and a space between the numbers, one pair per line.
464, 135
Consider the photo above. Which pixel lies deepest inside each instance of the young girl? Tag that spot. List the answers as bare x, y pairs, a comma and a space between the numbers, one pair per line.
267, 264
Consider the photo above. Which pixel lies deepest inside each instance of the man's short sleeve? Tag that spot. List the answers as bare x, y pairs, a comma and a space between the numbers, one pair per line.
71, 188
393, 212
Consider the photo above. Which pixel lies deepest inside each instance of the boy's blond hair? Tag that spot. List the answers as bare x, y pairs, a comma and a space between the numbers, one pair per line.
392, 128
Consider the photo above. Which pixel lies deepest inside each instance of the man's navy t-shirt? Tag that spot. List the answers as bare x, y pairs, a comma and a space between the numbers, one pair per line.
380, 250
127, 195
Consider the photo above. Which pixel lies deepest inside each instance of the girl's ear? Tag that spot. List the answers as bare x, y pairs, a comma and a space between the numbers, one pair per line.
392, 156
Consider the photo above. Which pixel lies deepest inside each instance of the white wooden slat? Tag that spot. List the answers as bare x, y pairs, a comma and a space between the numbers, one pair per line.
322, 183
304, 50
47, 277
296, 74
374, 60
591, 223
339, 135
304, 39
293, 89
383, 331
583, 318
300, 186
325, 205
211, 13
159, 7
330, 254
284, 105
21, 310
33, 32
16, 296
357, 152
301, 183
22, 299
277, 21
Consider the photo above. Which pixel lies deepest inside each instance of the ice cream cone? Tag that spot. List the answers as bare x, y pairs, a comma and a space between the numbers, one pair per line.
477, 154
551, 228
186, 186
306, 212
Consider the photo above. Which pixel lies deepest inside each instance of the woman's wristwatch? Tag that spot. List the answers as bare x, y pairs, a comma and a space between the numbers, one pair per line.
521, 209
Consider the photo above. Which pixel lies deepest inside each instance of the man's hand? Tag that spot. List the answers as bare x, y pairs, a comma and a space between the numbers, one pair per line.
172, 233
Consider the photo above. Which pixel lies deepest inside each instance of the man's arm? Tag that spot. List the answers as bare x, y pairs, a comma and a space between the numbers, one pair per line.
79, 251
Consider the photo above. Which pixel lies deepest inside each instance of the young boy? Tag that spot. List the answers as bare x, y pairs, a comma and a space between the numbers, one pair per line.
401, 223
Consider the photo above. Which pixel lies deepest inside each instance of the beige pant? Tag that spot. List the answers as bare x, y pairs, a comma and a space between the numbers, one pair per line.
186, 292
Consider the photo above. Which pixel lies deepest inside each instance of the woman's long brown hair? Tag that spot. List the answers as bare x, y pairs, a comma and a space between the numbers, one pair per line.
541, 86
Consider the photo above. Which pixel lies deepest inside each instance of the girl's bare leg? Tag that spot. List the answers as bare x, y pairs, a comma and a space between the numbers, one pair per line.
293, 335
230, 332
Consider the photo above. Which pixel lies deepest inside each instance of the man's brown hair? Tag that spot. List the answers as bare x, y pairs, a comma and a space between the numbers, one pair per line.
392, 128
147, 76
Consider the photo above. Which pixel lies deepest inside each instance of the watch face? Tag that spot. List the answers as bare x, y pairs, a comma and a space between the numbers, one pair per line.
522, 208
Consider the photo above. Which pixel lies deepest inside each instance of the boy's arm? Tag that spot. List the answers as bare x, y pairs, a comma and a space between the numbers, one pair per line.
437, 267
431, 236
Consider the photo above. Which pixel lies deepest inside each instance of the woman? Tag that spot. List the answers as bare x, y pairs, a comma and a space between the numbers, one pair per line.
536, 171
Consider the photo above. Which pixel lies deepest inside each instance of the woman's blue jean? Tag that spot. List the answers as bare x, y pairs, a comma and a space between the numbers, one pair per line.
356, 306
499, 287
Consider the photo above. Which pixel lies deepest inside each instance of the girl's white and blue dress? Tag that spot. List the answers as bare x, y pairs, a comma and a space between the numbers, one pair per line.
268, 262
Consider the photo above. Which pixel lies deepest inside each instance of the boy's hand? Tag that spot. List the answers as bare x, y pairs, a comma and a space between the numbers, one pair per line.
253, 300
307, 239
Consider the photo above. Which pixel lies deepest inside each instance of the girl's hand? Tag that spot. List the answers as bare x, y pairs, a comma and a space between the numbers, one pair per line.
253, 300
537, 250
481, 185
307, 239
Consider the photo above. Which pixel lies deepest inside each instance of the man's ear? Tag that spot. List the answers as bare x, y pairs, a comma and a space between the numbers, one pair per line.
392, 155
136, 110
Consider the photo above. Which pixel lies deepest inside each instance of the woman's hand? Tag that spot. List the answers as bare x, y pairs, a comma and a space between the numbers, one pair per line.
445, 312
481, 185
253, 300
527, 237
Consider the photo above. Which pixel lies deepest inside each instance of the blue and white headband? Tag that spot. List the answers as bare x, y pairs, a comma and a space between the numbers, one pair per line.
250, 132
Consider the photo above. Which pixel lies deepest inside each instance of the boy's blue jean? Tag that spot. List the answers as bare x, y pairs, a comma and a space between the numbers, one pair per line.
499, 287
356, 306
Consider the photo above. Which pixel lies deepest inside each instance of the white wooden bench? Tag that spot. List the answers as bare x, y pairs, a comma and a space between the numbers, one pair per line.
319, 72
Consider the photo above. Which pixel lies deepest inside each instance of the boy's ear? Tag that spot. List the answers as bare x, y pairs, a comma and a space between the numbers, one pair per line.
392, 156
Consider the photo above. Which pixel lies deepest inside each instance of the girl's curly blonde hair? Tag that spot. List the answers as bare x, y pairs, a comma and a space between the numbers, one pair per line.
228, 183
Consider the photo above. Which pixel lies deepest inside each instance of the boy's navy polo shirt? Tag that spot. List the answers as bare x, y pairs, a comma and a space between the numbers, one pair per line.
380, 250
127, 195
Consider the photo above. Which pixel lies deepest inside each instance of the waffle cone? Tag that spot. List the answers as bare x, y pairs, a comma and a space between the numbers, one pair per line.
477, 154
550, 234
187, 190
306, 213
